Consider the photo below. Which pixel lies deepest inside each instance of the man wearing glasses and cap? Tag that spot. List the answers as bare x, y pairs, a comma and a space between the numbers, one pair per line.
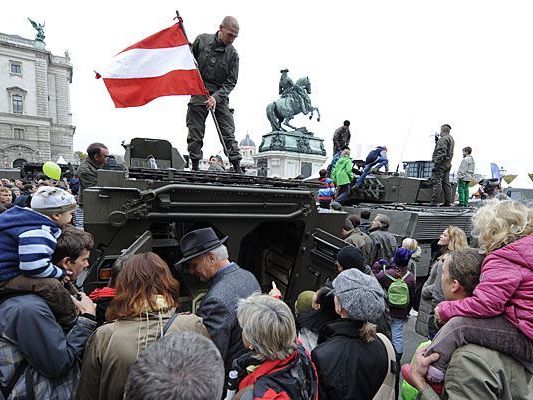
206, 257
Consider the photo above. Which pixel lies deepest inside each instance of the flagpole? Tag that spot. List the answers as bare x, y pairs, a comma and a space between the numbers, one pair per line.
217, 126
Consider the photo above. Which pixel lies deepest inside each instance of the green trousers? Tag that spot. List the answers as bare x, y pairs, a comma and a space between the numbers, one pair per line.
462, 188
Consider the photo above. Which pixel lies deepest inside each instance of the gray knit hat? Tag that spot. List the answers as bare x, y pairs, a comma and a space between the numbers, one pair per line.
52, 200
359, 294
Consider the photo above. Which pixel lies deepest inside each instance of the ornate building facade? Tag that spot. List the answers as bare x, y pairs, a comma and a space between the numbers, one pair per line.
35, 118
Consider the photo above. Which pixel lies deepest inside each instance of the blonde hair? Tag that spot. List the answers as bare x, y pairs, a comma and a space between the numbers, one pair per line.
410, 244
345, 152
367, 333
268, 325
457, 238
499, 223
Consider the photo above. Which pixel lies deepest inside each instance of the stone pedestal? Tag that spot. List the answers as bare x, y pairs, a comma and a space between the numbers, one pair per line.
290, 154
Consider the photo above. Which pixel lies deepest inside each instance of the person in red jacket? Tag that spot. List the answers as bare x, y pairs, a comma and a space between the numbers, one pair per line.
498, 314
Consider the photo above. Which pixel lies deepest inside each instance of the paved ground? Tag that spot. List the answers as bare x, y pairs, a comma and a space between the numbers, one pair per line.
411, 340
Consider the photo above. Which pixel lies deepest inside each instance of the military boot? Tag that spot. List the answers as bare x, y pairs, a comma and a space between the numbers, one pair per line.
195, 165
237, 167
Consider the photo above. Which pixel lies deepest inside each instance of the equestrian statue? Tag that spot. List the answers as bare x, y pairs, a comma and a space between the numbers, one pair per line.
293, 101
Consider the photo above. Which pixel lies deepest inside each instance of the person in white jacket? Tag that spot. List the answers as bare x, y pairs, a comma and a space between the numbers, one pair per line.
465, 174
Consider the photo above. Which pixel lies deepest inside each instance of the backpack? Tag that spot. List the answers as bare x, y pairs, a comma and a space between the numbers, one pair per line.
398, 291
373, 155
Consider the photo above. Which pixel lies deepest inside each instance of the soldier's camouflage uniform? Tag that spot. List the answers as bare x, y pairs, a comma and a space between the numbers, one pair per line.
440, 177
341, 138
219, 66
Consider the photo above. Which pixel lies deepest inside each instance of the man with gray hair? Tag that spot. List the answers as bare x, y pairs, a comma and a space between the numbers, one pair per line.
179, 366
207, 258
218, 63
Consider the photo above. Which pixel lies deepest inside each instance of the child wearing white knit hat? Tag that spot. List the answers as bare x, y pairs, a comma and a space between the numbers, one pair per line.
28, 239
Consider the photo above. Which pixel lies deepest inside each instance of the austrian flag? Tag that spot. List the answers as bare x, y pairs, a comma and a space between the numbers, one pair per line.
160, 65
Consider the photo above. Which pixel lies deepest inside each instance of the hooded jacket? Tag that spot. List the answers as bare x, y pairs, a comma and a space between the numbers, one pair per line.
342, 173
505, 287
27, 241
115, 346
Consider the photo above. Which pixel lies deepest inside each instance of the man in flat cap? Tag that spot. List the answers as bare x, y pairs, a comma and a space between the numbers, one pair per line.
207, 259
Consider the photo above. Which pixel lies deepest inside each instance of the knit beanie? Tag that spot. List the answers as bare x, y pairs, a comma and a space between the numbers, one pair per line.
360, 295
52, 200
351, 257
304, 302
402, 257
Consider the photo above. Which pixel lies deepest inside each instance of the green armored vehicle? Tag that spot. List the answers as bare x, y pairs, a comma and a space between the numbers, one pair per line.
405, 200
273, 225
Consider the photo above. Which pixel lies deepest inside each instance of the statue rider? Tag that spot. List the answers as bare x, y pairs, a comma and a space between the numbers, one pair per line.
286, 84
287, 88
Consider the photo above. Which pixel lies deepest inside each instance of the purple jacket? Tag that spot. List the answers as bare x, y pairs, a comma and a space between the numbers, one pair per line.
505, 287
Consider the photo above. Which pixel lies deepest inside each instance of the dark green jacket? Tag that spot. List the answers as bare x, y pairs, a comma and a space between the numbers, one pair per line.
476, 372
218, 64
87, 172
443, 153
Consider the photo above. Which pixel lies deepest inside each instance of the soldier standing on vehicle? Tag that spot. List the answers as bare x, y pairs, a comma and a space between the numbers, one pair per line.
218, 63
341, 137
442, 163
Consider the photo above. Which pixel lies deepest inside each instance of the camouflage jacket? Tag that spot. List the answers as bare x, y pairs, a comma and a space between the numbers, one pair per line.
341, 137
443, 153
218, 64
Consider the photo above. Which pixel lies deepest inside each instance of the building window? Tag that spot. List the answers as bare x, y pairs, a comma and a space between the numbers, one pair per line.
17, 104
18, 134
15, 68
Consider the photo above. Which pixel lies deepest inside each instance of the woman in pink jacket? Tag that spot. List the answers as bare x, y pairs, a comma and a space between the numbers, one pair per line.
502, 302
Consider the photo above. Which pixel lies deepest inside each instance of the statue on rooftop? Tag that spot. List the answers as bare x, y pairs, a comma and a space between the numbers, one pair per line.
39, 28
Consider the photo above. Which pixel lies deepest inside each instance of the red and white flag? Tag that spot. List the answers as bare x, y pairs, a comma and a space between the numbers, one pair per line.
160, 65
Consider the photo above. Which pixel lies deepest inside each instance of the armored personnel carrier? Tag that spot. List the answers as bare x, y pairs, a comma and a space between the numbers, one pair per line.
273, 225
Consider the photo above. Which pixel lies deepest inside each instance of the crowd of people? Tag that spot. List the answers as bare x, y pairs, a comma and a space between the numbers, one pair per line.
343, 341
133, 340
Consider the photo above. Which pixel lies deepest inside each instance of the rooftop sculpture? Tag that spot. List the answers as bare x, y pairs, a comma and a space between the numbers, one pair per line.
39, 28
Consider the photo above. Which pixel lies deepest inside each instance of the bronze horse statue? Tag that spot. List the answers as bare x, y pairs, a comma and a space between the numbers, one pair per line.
294, 100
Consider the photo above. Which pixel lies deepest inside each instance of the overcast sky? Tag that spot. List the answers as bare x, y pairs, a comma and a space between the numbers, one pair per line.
396, 69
